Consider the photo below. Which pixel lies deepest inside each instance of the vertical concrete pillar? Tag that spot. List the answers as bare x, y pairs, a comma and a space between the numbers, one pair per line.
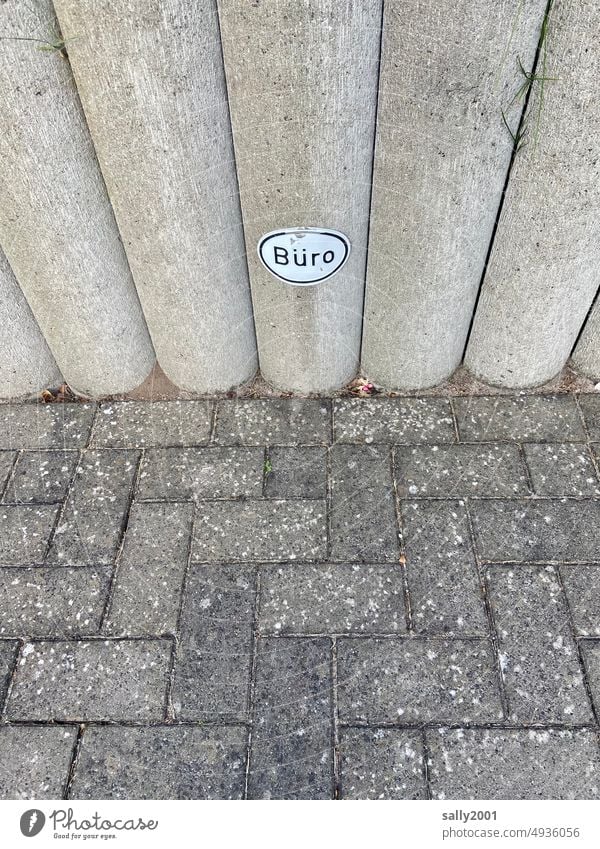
586, 356
448, 70
543, 269
56, 224
150, 76
302, 79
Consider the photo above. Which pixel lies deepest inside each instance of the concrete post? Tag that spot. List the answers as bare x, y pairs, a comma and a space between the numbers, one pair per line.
151, 81
302, 79
543, 270
586, 356
442, 153
56, 224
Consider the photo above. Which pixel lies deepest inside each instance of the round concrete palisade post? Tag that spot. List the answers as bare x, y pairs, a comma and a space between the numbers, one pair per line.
586, 356
150, 76
56, 222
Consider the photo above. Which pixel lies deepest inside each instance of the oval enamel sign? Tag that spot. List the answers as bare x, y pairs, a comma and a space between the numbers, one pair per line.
303, 256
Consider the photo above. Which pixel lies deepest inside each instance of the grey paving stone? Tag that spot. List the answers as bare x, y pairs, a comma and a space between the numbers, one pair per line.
443, 582
35, 761
292, 751
275, 421
212, 673
196, 473
144, 424
296, 473
161, 763
8, 652
590, 407
591, 657
513, 764
41, 477
382, 763
52, 601
260, 530
7, 459
582, 586
543, 531
148, 585
522, 418
24, 533
113, 680
416, 680
45, 425
332, 598
561, 469
362, 516
538, 655
393, 420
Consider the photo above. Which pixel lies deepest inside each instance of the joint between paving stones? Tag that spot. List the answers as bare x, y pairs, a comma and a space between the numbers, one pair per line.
250, 698
401, 547
335, 723
74, 760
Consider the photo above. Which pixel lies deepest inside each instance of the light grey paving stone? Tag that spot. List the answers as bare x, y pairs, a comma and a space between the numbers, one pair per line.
296, 472
590, 407
538, 656
444, 585
195, 473
415, 680
149, 580
41, 477
8, 653
582, 586
52, 601
591, 657
24, 533
161, 762
35, 761
273, 421
212, 673
260, 530
362, 515
292, 751
561, 469
144, 424
521, 418
382, 763
112, 680
45, 425
332, 598
7, 459
393, 420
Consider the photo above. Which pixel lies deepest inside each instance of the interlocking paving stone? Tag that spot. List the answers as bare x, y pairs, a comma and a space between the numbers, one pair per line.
281, 421
362, 515
260, 530
35, 761
45, 425
513, 764
147, 593
443, 582
332, 598
393, 420
141, 424
538, 655
196, 473
561, 469
25, 532
591, 656
41, 477
525, 418
382, 764
582, 586
161, 763
292, 755
52, 601
296, 473
7, 459
99, 680
212, 673
8, 651
537, 530
590, 407
416, 680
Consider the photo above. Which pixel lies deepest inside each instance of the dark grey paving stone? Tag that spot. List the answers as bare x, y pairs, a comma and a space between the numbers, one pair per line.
513, 764
52, 601
41, 477
24, 533
542, 531
444, 585
148, 585
24, 426
8, 653
362, 516
35, 761
582, 586
561, 469
416, 680
591, 657
538, 655
7, 458
296, 472
382, 763
161, 763
144, 424
393, 420
521, 418
112, 680
212, 673
292, 751
590, 407
196, 473
332, 598
274, 421
260, 530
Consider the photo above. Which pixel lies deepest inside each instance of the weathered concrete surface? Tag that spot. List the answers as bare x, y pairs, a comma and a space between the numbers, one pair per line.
441, 158
542, 275
151, 81
586, 356
56, 224
302, 80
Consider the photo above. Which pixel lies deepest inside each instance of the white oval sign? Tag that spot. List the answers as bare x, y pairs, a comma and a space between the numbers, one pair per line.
303, 256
